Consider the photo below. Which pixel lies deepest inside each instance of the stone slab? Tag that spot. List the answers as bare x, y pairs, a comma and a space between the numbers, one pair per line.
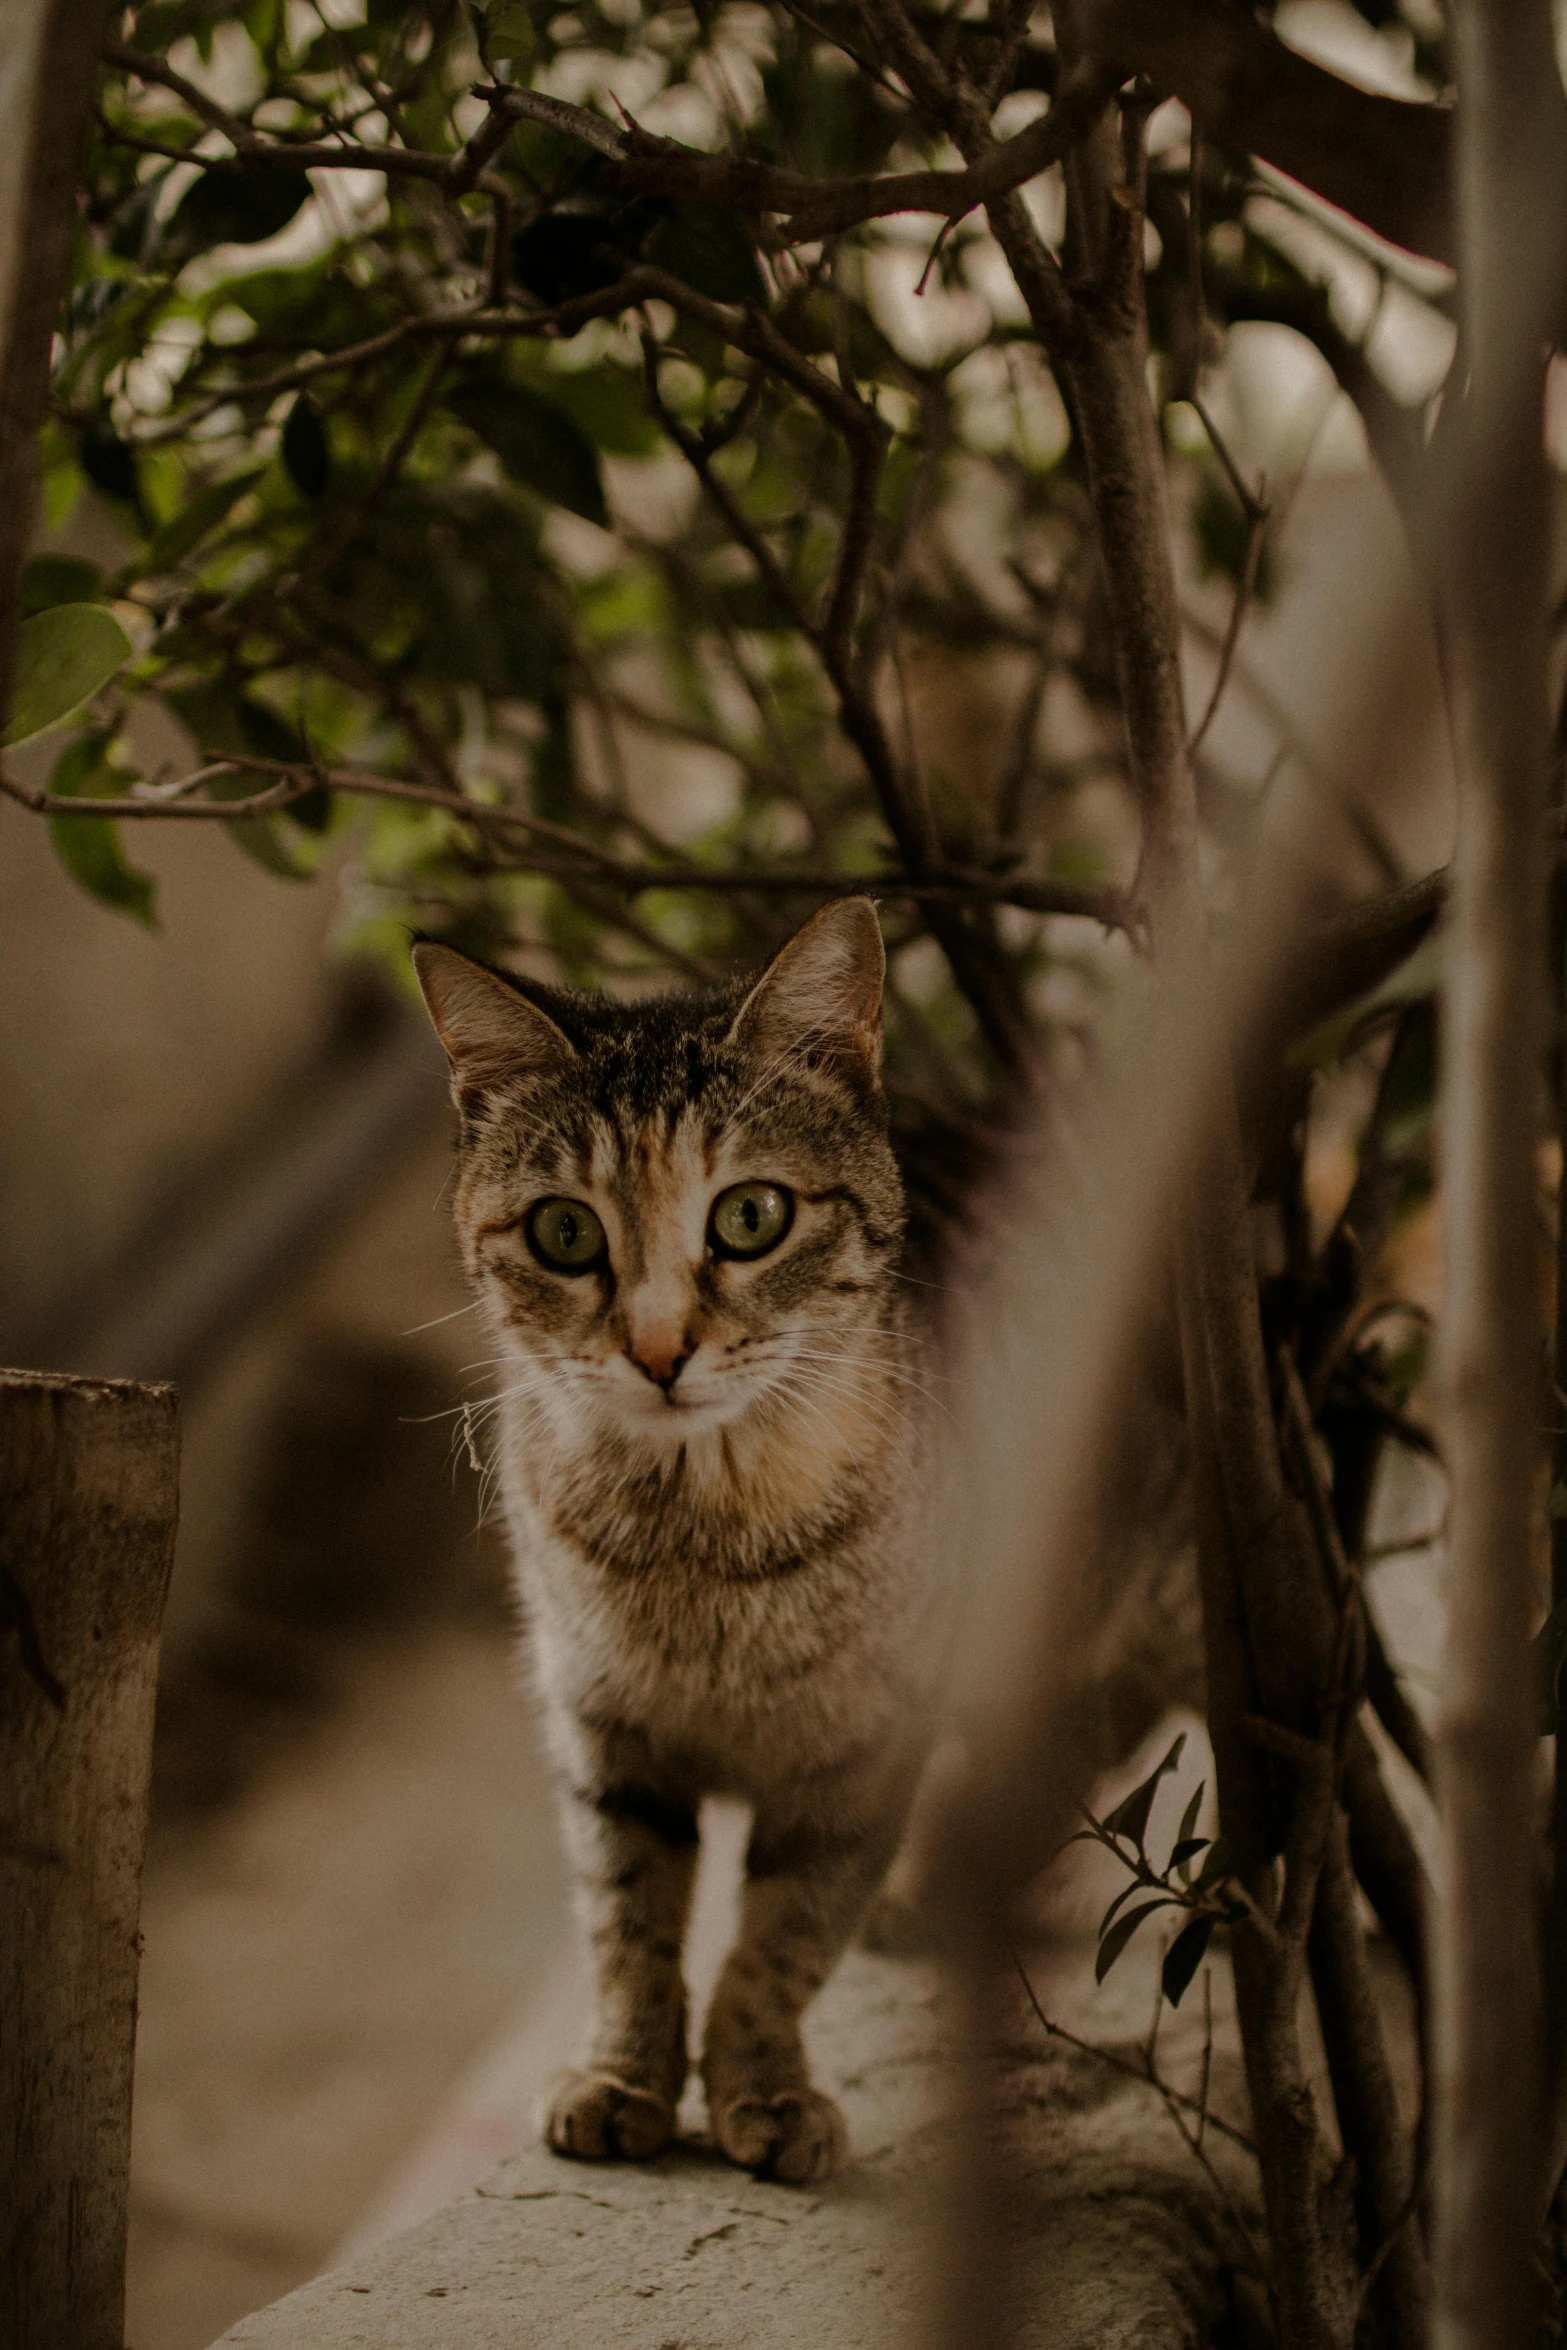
1124, 2238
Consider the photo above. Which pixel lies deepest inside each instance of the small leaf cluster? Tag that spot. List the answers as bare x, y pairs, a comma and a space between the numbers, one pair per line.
1200, 1892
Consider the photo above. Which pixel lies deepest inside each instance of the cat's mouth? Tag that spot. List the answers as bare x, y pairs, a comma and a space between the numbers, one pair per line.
689, 1410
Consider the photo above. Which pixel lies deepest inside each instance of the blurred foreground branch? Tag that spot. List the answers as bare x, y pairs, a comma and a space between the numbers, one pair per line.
1485, 1965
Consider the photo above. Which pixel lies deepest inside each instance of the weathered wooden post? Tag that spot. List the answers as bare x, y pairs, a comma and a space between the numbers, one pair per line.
88, 1503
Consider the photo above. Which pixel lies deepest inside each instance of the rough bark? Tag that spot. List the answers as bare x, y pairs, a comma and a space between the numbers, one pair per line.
88, 1497
1484, 1965
1236, 1536
50, 52
1554, 2069
1267, 1622
1363, 2092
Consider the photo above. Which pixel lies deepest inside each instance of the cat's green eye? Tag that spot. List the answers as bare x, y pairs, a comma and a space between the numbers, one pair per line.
749, 1218
565, 1235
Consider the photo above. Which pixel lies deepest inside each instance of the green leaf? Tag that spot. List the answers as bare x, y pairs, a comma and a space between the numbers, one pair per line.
186, 529
1184, 1957
234, 208
562, 254
266, 842
709, 246
89, 846
1121, 1933
58, 579
110, 463
1223, 533
536, 440
1187, 1843
1219, 1863
1130, 1817
752, 604
1121, 1899
228, 722
508, 29
1408, 1089
1188, 1824
63, 656
1420, 975
609, 405
275, 300
306, 455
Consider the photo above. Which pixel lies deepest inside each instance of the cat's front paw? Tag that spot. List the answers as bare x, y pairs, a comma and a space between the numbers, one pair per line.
597, 2117
798, 2137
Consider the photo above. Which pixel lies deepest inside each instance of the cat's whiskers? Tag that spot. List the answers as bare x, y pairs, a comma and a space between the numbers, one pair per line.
786, 1393
859, 1337
796, 1398
885, 1365
868, 1383
881, 1412
893, 1400
474, 1429
872, 1365
884, 1418
436, 1320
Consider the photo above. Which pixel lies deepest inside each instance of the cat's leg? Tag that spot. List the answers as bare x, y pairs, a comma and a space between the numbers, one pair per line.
633, 1851
807, 1881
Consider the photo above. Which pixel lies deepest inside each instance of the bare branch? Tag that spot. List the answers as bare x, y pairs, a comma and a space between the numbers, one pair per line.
568, 855
649, 165
162, 76
822, 207
1133, 2072
1392, 2252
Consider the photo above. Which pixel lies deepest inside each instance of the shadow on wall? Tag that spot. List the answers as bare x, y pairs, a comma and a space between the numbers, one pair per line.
356, 1525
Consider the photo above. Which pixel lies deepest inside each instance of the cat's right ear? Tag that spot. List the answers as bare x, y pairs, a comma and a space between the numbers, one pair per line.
492, 1034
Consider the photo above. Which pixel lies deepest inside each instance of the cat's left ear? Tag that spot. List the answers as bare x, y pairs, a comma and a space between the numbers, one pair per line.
493, 1035
821, 994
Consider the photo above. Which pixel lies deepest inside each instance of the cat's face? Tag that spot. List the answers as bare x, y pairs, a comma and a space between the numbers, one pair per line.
685, 1211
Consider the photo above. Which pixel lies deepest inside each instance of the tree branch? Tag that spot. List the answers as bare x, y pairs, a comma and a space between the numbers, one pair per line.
1485, 1980
571, 855
645, 164
1367, 2106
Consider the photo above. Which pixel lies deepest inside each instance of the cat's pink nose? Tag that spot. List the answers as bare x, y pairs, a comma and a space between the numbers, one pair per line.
661, 1352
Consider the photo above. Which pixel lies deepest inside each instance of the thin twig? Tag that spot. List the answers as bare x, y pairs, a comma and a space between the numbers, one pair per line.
1244, 588
649, 165
1174, 2103
1254, 505
576, 857
1122, 2064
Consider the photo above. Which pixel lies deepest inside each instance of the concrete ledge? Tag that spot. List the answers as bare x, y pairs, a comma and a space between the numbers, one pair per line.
1125, 2239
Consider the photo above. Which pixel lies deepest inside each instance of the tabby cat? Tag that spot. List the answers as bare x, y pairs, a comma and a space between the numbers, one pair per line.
684, 1221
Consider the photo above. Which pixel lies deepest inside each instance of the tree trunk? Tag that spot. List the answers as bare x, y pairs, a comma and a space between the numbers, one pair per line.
88, 1499
50, 52
1484, 1963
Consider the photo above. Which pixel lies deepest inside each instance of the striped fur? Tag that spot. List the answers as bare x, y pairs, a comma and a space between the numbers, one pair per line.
715, 1472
